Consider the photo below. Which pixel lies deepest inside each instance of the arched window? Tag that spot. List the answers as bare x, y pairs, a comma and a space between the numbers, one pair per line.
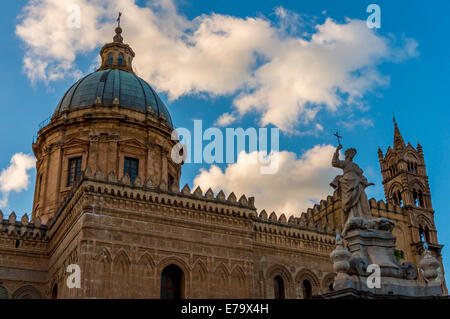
278, 288
172, 284
421, 202
399, 198
110, 59
421, 233
415, 198
120, 59
427, 234
395, 199
55, 292
307, 289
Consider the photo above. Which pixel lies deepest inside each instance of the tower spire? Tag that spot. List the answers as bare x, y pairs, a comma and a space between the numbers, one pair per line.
399, 143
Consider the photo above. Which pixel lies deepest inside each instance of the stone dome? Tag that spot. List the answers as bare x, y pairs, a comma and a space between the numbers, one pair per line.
104, 86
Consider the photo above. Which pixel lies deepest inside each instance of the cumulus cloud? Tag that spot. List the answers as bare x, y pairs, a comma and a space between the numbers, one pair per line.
270, 67
225, 119
16, 176
351, 124
298, 184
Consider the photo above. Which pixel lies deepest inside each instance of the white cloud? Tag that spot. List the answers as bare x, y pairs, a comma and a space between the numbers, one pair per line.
225, 119
15, 177
284, 77
352, 123
298, 184
319, 127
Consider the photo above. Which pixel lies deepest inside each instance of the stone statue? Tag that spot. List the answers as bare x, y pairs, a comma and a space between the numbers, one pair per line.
351, 186
369, 242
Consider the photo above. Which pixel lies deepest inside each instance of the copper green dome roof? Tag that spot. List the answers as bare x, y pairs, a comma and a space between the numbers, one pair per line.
130, 90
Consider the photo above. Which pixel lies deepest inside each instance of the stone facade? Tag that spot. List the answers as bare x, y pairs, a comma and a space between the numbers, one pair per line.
123, 234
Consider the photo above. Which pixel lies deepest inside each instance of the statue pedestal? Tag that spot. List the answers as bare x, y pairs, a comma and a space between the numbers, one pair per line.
389, 288
371, 248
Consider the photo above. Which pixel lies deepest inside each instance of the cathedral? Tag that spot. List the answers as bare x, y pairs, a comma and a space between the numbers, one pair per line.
107, 199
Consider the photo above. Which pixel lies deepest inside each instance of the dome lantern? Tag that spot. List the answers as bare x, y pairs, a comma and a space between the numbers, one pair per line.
116, 54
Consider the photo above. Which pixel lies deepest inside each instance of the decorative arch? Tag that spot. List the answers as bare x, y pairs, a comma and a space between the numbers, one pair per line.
121, 275
417, 184
177, 261
304, 276
411, 156
146, 265
221, 281
121, 262
418, 191
423, 220
27, 292
144, 276
285, 274
395, 193
425, 227
238, 281
199, 280
102, 274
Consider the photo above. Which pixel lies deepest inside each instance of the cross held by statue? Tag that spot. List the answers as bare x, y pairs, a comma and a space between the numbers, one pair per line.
338, 137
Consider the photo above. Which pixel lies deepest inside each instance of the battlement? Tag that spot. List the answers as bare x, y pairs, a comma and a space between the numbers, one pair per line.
23, 229
184, 198
325, 217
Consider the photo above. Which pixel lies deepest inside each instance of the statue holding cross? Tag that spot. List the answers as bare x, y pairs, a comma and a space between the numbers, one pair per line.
351, 184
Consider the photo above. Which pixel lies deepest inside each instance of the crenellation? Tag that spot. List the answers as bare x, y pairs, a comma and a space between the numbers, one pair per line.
221, 196
273, 217
232, 198
292, 220
12, 218
243, 200
263, 215
198, 192
186, 190
209, 194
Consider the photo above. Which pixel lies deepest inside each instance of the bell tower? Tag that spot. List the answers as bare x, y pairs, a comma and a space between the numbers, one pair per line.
405, 183
404, 174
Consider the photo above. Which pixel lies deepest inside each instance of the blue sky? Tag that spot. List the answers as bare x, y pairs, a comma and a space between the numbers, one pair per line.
414, 86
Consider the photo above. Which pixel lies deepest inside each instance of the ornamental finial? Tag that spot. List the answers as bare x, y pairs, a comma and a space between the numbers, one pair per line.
118, 37
118, 19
